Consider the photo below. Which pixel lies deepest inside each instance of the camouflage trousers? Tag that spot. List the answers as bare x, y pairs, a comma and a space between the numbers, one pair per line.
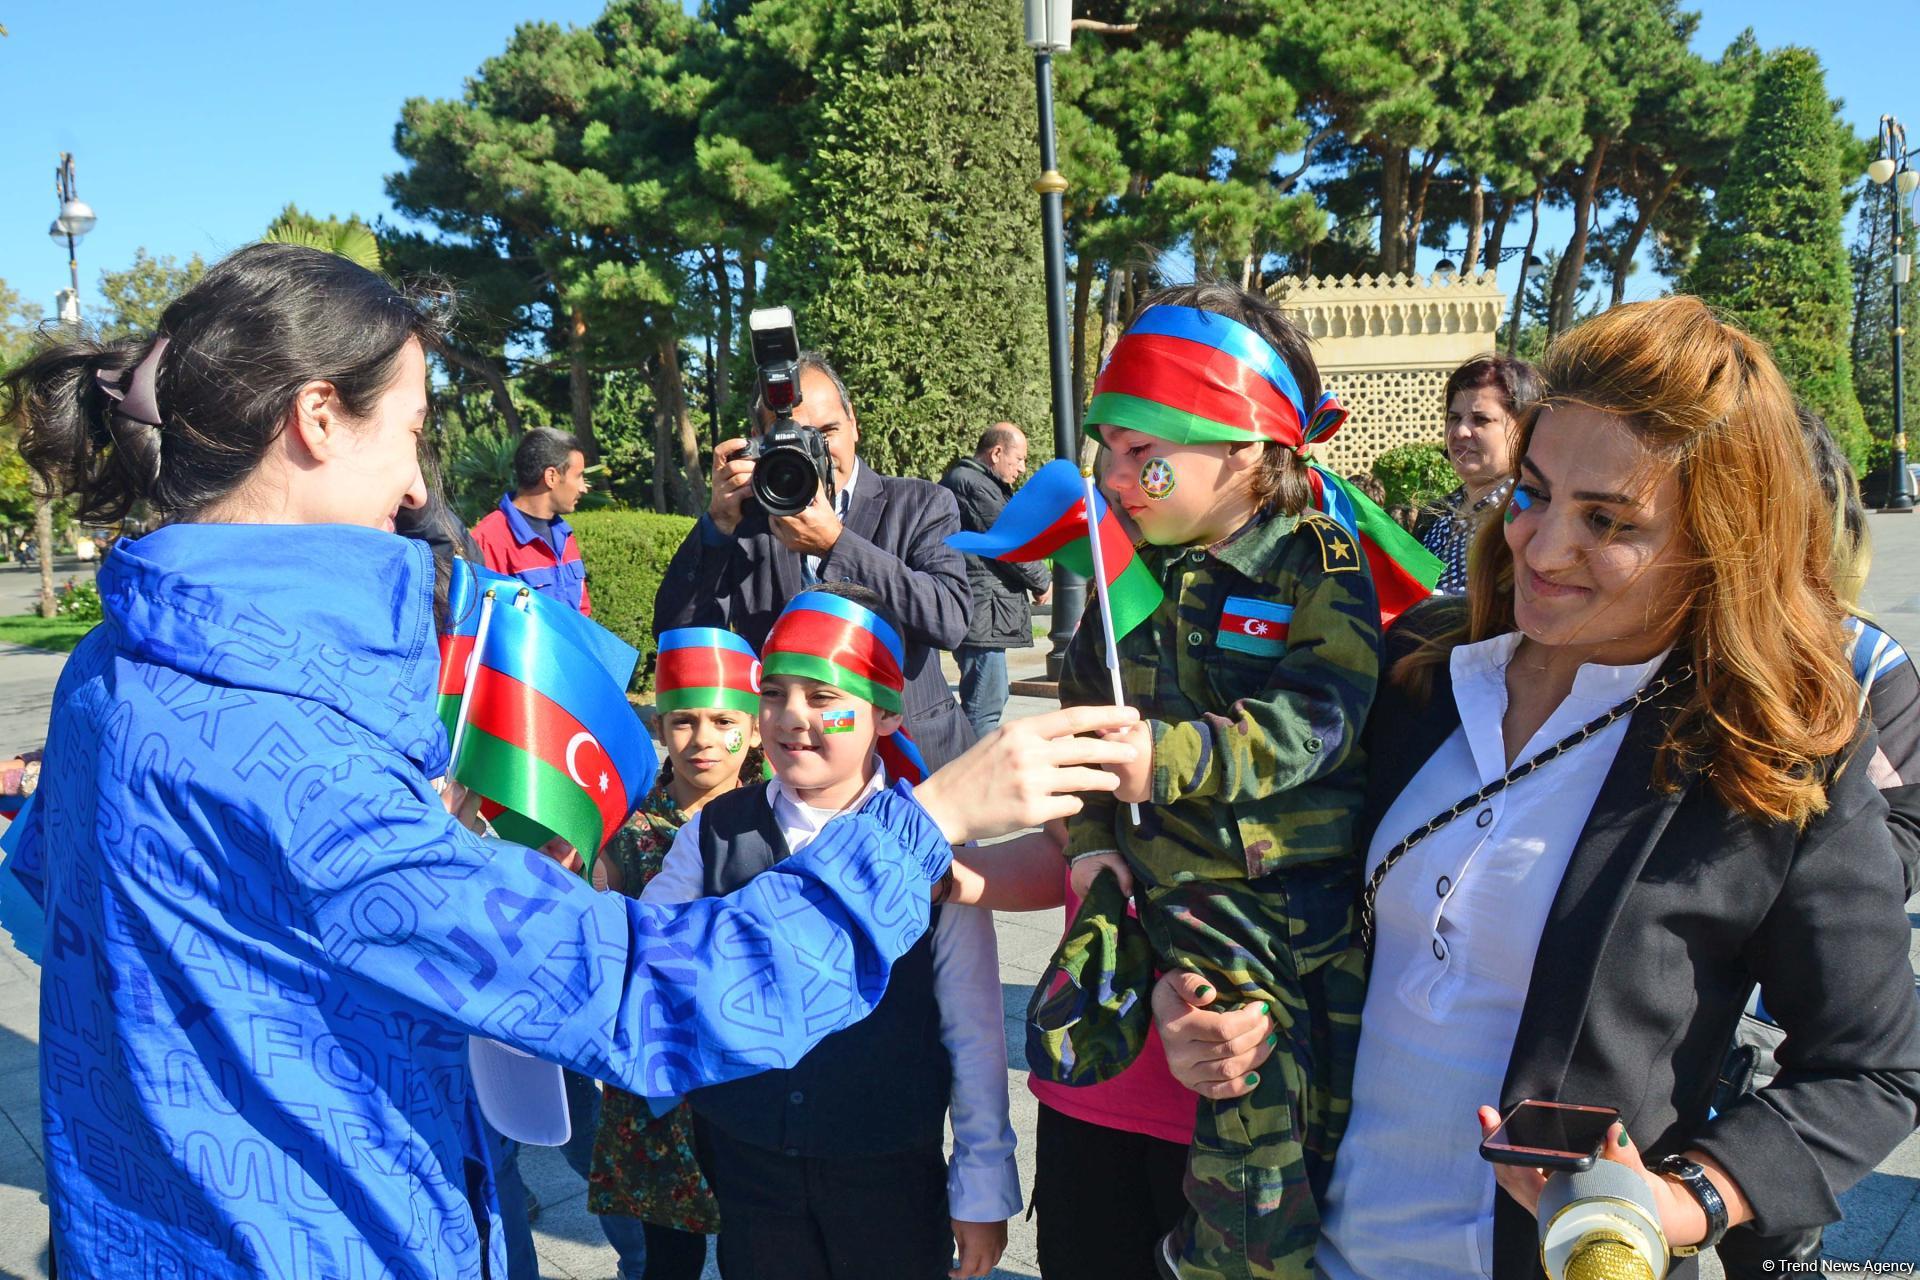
1259, 1164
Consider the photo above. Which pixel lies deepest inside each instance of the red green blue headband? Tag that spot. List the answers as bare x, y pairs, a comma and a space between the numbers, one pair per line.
1198, 377
831, 639
705, 668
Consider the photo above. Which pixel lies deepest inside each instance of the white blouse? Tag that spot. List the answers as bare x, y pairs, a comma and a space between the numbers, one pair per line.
1458, 921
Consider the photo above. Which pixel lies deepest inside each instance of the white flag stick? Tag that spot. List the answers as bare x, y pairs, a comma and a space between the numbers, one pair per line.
466, 690
1106, 608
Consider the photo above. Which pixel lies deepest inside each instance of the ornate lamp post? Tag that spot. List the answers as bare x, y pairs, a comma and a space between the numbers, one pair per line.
1892, 166
1050, 30
74, 221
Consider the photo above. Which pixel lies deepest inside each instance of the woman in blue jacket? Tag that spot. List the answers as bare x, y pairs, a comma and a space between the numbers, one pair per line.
267, 941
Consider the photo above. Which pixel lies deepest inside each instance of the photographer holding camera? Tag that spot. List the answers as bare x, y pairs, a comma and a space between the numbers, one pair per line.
816, 515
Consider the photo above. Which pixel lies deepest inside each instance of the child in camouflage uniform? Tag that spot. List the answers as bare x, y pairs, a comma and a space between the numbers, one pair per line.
1255, 675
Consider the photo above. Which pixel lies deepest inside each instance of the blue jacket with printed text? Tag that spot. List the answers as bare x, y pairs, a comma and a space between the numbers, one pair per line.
267, 943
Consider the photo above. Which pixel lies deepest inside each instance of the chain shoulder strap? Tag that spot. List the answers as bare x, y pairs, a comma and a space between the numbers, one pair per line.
1371, 893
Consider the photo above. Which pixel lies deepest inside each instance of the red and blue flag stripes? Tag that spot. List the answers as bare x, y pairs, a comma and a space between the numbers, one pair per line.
1197, 377
550, 741
829, 638
901, 757
705, 667
549, 736
1259, 627
1047, 519
468, 585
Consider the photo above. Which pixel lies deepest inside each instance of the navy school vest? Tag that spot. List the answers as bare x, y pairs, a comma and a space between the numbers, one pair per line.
877, 1087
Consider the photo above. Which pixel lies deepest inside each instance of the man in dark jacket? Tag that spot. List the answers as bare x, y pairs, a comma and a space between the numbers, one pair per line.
1002, 619
738, 568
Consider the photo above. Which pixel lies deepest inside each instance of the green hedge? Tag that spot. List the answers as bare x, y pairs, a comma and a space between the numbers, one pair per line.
1415, 473
626, 552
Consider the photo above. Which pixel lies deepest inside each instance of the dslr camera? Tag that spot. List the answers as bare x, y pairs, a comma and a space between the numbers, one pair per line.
790, 462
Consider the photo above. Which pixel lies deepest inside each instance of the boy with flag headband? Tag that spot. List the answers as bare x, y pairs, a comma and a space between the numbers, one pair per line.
833, 1168
1253, 675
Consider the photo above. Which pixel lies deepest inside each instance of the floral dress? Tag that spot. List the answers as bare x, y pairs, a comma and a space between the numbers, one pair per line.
643, 1166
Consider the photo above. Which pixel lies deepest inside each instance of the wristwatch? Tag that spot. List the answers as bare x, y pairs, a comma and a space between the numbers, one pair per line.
1690, 1175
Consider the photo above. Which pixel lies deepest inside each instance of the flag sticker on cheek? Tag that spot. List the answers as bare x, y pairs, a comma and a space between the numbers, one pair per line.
836, 722
735, 741
1156, 478
1520, 501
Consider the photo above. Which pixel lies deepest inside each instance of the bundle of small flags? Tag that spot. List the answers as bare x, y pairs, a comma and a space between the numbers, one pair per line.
533, 696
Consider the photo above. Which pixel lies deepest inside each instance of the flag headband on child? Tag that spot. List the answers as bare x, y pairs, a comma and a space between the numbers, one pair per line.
705, 668
829, 638
1198, 377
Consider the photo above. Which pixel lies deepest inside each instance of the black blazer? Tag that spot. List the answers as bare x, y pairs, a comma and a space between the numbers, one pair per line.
1671, 909
894, 542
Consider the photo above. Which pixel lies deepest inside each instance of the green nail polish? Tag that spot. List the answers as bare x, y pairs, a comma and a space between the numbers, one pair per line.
1266, 1010
1203, 990
1623, 1138
1253, 1077
1272, 1040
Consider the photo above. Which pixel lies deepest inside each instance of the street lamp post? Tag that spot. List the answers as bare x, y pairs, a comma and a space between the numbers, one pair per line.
70, 227
1891, 165
1528, 270
1050, 30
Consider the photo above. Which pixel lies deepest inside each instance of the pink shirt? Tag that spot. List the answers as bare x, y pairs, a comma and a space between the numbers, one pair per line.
1145, 1098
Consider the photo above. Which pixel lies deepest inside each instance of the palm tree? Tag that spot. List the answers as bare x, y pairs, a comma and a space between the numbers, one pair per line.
352, 239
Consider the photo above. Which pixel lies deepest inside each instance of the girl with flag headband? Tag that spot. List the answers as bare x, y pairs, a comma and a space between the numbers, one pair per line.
645, 1184
1253, 674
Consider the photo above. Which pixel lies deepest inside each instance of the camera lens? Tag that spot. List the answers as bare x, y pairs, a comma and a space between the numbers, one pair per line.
784, 481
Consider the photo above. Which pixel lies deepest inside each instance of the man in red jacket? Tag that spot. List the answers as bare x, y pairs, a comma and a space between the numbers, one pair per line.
527, 537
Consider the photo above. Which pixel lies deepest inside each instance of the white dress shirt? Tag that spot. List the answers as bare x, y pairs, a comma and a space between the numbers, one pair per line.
983, 1178
1459, 920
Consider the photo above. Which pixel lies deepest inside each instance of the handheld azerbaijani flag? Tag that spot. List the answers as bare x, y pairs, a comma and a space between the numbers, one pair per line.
534, 698
1047, 519
1198, 377
829, 638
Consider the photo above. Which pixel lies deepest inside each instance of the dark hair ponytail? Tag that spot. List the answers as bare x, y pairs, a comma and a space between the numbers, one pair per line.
263, 323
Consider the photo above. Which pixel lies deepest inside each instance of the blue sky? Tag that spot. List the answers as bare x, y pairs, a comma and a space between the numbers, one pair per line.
192, 124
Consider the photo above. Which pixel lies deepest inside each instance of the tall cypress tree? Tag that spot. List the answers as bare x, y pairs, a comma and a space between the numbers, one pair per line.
911, 252
1773, 259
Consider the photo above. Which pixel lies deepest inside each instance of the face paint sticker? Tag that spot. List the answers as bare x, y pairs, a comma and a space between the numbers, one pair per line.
1519, 502
836, 722
1156, 478
735, 741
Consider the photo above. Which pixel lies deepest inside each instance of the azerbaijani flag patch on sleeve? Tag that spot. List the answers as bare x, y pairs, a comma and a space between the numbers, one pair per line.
1254, 626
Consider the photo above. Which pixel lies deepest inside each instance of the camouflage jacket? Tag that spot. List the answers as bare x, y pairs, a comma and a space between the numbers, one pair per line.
1257, 672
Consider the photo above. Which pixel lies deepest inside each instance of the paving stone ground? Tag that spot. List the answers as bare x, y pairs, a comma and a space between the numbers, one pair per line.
1882, 1214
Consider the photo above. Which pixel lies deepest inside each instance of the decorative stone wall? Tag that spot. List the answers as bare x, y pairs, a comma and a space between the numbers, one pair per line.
1386, 346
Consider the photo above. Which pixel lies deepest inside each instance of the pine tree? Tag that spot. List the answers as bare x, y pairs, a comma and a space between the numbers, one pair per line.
1773, 260
911, 253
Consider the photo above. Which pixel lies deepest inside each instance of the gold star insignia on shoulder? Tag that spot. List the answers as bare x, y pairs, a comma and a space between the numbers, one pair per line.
1336, 547
1339, 548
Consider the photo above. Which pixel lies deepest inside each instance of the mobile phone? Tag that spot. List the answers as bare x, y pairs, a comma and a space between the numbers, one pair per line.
1550, 1135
